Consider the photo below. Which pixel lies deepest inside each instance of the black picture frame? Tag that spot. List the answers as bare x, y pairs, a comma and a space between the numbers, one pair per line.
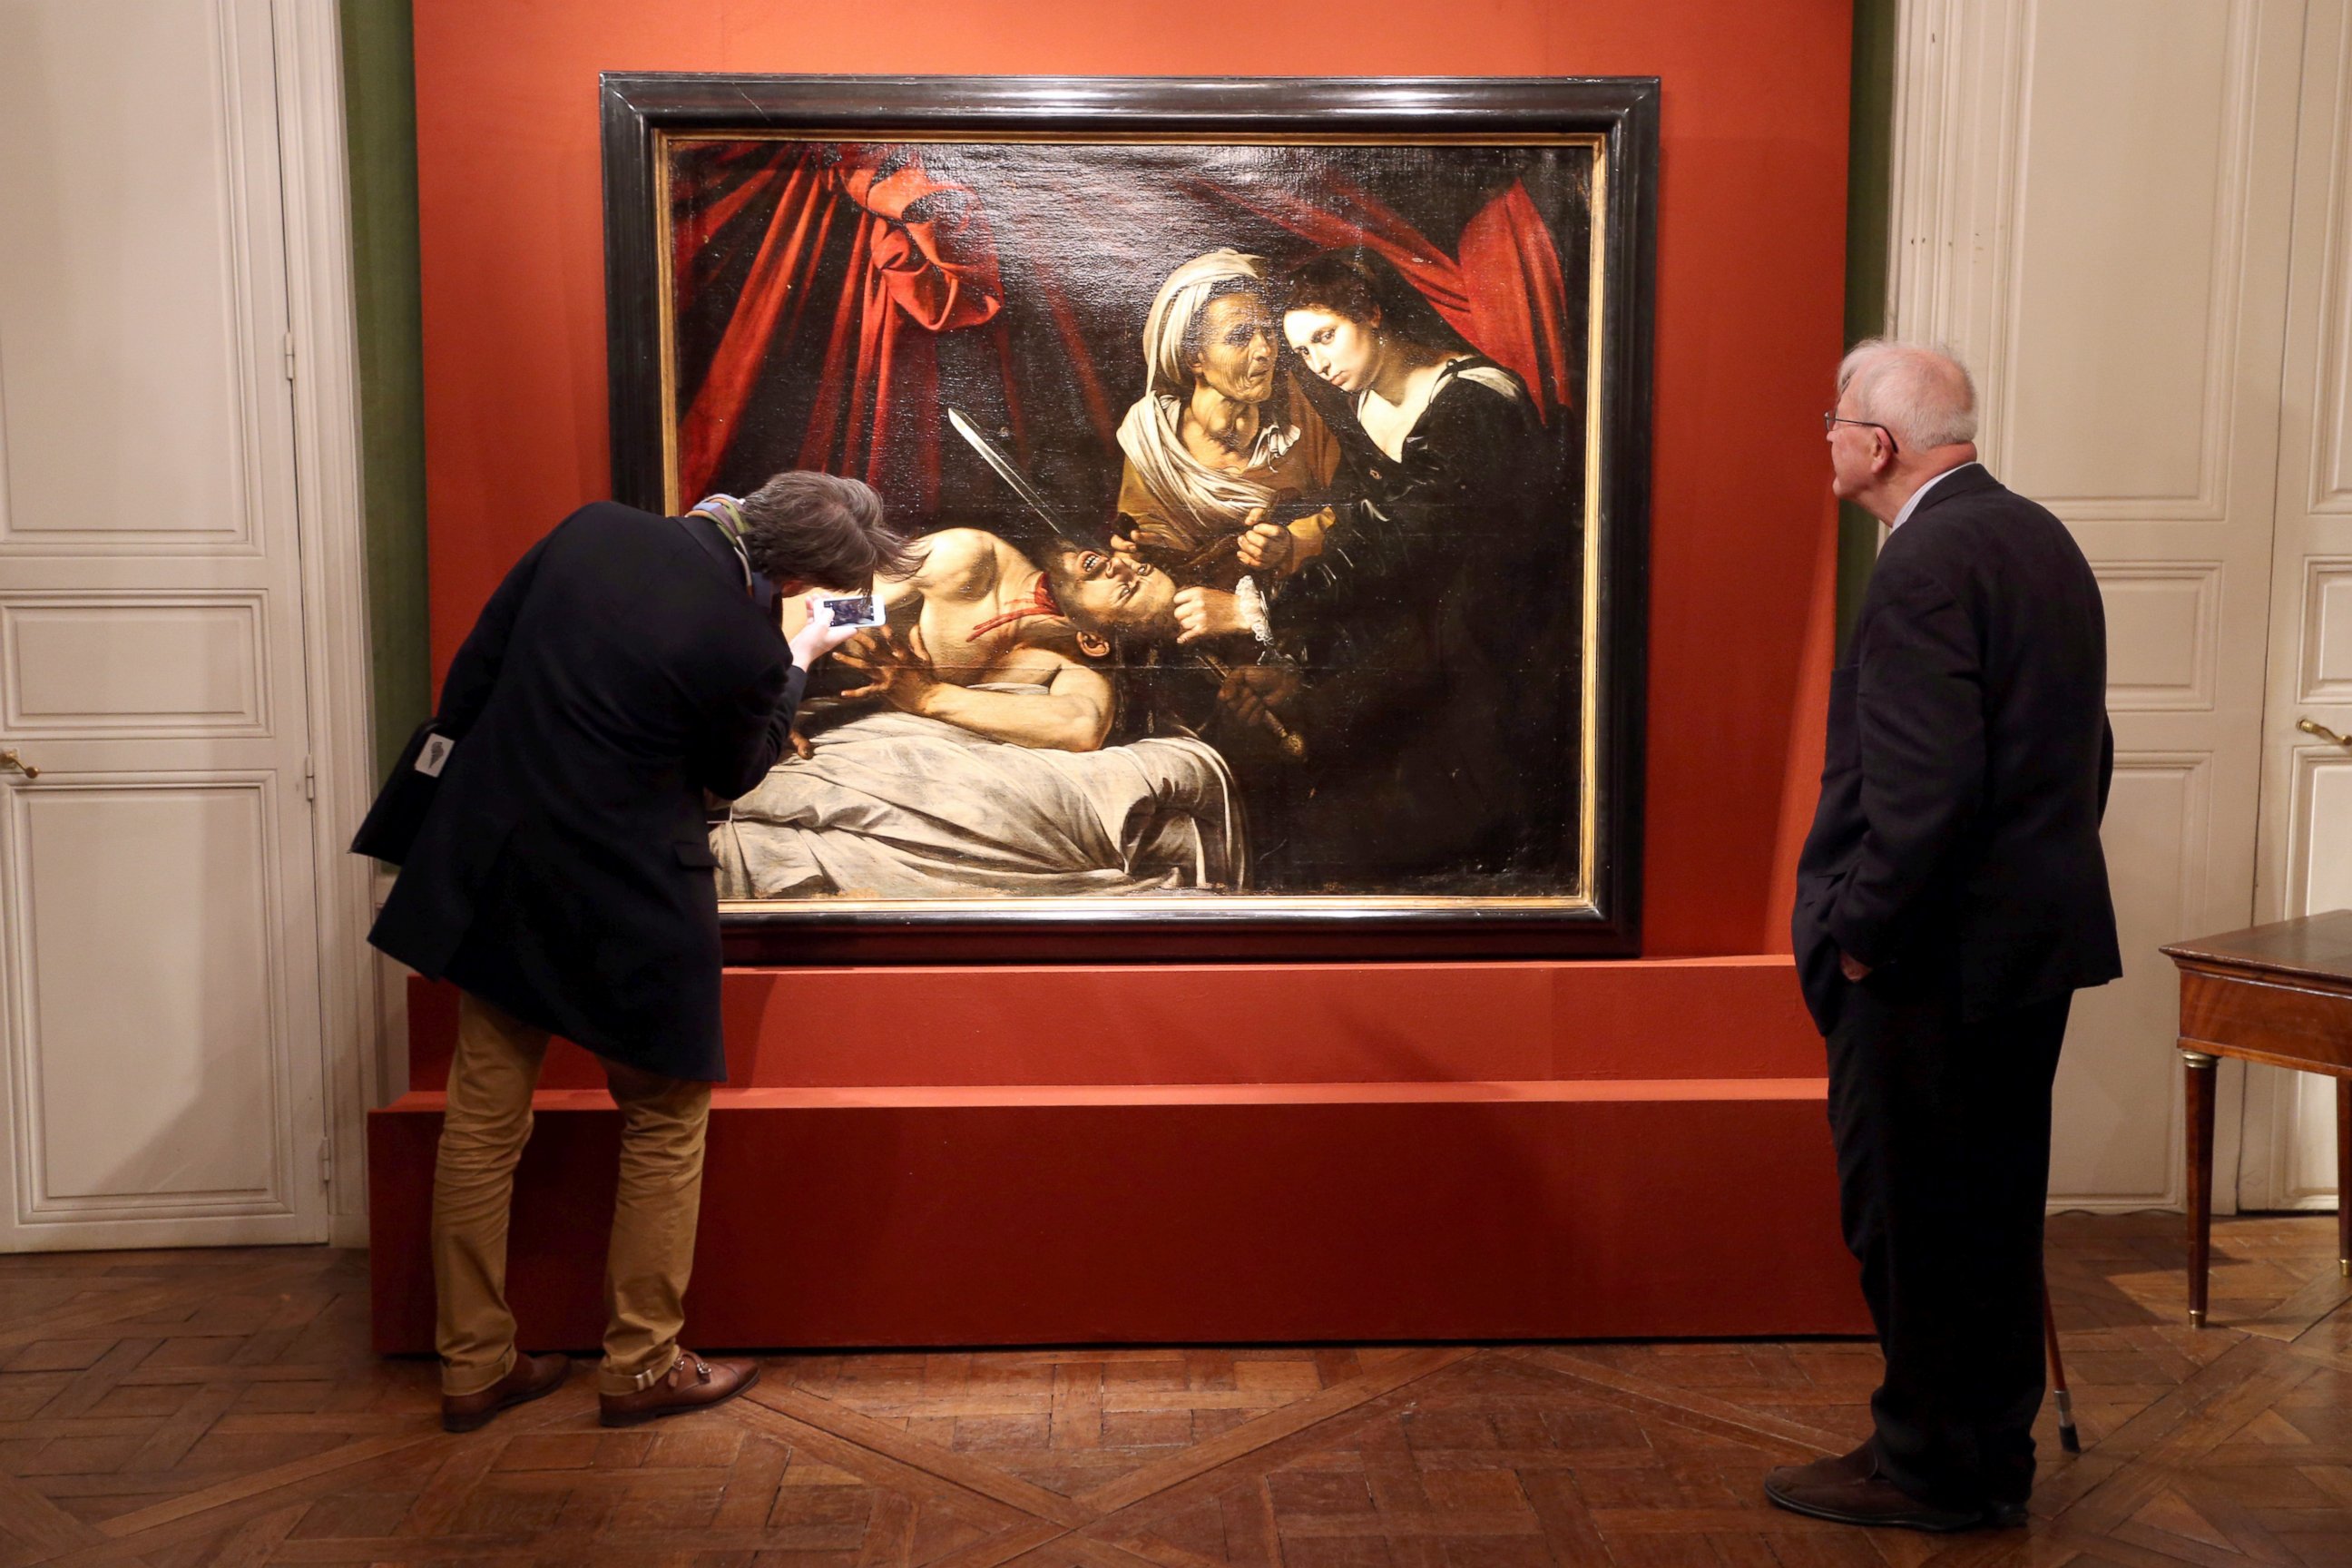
638, 109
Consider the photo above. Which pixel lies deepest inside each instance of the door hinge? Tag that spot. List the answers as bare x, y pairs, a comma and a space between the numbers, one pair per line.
310, 779
289, 356
326, 1162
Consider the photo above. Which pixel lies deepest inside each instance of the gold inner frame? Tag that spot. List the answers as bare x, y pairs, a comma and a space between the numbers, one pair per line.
1194, 903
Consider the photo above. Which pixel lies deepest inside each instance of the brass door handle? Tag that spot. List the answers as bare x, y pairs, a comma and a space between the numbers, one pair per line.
2308, 726
11, 759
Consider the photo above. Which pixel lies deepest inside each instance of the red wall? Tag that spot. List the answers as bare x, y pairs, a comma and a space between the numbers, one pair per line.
1751, 290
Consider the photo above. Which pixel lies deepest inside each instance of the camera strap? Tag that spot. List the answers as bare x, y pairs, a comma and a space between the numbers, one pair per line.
726, 514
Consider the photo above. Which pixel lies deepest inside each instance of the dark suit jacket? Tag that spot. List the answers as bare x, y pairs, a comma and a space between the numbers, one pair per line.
1958, 833
565, 872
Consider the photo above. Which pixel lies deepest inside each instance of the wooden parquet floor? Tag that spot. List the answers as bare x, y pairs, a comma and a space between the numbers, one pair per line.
221, 1408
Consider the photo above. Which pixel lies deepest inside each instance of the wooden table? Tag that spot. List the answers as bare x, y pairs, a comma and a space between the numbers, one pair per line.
2277, 993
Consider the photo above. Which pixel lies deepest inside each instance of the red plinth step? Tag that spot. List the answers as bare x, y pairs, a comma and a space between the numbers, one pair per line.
1198, 1153
1277, 1023
1009, 1217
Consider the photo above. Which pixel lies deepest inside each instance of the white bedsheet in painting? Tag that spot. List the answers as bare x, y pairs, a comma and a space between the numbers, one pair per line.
894, 806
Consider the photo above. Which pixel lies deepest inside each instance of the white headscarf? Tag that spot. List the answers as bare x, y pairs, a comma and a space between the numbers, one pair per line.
1151, 435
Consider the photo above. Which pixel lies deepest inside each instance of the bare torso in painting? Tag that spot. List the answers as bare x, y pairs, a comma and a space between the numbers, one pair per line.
977, 614
971, 761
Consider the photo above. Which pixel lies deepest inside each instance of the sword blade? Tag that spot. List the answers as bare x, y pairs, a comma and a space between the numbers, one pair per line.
1004, 466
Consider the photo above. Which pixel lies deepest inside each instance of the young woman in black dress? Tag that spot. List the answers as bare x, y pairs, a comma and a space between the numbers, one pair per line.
1435, 661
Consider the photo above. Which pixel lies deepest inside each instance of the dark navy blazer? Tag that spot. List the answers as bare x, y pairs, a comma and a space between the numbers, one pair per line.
1967, 765
565, 873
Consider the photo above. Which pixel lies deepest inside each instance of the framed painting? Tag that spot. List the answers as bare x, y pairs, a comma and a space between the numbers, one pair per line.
1276, 455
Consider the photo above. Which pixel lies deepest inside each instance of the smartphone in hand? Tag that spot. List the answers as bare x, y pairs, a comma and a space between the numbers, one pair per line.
853, 610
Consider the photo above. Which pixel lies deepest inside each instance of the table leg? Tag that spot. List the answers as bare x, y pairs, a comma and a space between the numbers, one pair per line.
2200, 1074
2344, 1176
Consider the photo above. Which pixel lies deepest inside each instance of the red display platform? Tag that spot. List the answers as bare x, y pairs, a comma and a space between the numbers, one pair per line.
1277, 1153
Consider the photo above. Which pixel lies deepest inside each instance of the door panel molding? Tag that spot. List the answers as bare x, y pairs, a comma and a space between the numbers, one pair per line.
366, 1062
2034, 140
2162, 618
267, 73
60, 654
2326, 639
71, 885
84, 512
2083, 282
2305, 857
2327, 473
2126, 1115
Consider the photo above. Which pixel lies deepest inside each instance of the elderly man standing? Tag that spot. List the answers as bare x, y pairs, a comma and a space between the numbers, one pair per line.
1951, 899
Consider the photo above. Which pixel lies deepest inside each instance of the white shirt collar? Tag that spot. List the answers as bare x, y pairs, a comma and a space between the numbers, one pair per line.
1921, 494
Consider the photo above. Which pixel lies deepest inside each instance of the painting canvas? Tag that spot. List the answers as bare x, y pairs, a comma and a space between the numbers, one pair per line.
1276, 540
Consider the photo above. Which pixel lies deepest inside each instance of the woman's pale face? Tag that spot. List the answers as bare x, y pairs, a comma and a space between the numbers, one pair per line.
1342, 351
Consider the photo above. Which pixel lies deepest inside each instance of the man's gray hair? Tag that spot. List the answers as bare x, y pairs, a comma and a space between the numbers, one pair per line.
822, 529
1926, 396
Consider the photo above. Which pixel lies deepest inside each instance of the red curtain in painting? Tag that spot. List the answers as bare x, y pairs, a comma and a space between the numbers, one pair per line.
922, 261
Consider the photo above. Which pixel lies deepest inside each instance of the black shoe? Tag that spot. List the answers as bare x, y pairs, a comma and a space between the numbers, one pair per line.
1832, 1490
1858, 1465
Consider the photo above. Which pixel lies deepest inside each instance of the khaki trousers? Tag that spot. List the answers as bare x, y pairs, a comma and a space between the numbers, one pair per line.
651, 1254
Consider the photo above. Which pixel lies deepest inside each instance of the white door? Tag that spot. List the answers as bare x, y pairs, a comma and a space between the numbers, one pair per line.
2305, 861
159, 980
2093, 201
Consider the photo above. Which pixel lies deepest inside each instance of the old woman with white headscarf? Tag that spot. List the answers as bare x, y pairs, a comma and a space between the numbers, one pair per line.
1217, 433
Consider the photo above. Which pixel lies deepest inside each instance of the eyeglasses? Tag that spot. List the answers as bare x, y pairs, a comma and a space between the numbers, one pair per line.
1830, 421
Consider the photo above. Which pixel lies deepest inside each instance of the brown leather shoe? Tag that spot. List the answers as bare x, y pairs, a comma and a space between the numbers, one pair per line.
1858, 1465
531, 1377
1850, 1490
690, 1383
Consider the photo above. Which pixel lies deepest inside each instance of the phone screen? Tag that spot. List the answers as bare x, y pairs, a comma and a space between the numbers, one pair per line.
853, 610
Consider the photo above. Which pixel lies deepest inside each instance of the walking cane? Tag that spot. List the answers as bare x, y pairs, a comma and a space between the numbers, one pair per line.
2068, 1438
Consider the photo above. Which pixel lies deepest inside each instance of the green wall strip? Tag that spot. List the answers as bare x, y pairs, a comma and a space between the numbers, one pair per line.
380, 113
1869, 198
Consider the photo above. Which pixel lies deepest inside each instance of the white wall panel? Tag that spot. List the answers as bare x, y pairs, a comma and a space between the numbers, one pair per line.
2094, 204
125, 367
160, 920
2306, 804
154, 1090
2326, 632
2323, 805
2292, 1164
2324, 302
2128, 207
132, 664
2160, 628
2116, 1082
